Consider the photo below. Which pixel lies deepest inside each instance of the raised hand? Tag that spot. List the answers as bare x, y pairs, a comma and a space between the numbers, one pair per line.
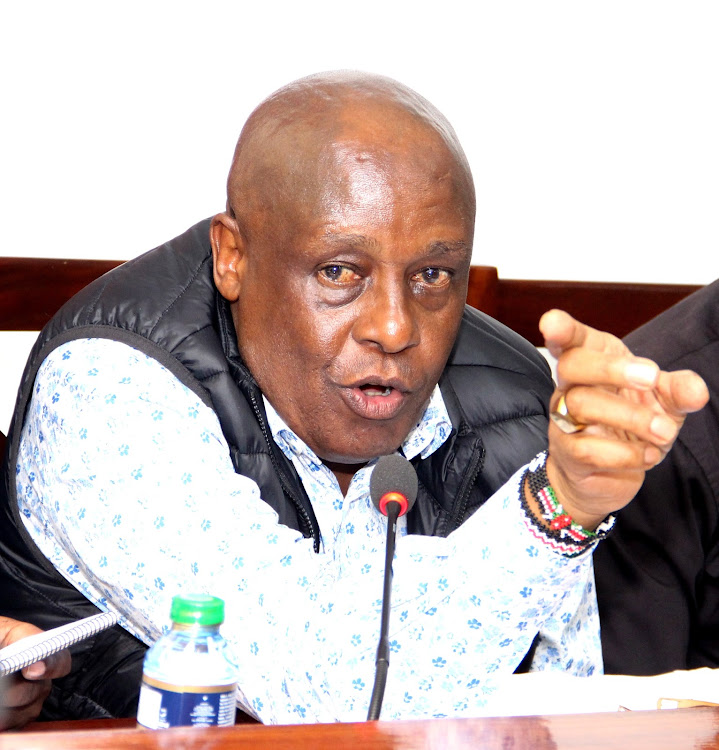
622, 415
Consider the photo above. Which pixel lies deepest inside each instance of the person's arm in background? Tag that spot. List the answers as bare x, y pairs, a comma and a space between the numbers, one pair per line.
23, 693
658, 574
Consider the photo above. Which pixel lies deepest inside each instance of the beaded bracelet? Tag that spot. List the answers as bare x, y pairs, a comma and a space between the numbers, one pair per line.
553, 511
569, 536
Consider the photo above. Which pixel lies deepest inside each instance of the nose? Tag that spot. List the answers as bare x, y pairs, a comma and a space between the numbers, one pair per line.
388, 318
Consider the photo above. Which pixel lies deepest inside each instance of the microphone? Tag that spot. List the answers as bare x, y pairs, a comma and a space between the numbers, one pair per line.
393, 490
393, 480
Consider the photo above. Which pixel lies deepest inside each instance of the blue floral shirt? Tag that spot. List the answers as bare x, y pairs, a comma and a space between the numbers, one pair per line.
125, 483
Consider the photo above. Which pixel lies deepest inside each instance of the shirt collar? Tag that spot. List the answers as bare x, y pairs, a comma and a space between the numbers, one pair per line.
423, 439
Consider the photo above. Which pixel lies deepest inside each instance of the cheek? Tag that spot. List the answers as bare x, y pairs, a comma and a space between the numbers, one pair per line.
288, 342
439, 331
327, 335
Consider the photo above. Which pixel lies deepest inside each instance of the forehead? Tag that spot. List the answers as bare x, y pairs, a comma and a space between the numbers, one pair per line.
347, 157
365, 187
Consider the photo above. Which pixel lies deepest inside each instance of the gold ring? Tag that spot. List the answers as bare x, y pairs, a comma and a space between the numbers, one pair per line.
564, 420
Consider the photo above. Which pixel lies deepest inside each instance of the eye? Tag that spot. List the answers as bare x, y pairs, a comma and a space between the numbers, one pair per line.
435, 277
338, 274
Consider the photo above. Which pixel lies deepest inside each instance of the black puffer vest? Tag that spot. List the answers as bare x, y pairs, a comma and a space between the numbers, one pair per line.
496, 388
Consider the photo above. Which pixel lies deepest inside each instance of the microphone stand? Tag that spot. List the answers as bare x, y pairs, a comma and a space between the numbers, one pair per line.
382, 659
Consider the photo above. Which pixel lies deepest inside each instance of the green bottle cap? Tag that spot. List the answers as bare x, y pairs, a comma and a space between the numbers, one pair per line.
197, 609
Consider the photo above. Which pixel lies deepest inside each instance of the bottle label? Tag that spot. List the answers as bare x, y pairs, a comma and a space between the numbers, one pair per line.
163, 705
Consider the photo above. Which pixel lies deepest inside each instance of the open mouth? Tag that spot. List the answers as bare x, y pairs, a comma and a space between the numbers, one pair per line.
376, 390
375, 400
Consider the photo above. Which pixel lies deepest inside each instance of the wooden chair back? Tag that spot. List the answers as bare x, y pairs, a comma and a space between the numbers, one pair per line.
609, 306
32, 290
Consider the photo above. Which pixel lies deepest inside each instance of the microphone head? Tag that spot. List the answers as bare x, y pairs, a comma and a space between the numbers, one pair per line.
393, 474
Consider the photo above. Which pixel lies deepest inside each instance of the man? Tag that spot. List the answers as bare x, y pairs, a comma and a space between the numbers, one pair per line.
22, 694
658, 575
207, 418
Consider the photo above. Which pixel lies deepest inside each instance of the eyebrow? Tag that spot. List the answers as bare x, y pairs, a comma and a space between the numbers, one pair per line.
450, 247
360, 240
349, 239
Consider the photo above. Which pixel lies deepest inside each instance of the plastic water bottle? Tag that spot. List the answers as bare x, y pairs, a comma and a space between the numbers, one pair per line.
189, 676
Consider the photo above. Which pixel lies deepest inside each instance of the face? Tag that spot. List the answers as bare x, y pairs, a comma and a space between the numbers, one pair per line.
347, 302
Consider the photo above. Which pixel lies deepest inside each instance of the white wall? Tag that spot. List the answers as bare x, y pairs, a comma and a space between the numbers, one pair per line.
591, 127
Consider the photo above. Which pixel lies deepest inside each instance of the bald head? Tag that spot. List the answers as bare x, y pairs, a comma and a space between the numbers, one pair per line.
293, 144
345, 256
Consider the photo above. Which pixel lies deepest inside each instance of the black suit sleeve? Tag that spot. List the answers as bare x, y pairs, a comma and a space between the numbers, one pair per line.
658, 574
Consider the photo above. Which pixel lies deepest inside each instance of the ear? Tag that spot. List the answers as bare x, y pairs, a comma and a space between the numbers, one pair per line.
228, 255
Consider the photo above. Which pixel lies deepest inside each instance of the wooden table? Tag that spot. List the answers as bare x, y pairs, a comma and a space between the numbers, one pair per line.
696, 728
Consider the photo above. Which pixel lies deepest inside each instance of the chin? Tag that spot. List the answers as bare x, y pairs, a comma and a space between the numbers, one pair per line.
362, 441
355, 456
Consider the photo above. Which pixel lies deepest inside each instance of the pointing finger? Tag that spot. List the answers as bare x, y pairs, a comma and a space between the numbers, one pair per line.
562, 332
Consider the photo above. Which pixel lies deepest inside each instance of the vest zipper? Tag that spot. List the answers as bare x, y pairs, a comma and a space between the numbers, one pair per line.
313, 527
470, 476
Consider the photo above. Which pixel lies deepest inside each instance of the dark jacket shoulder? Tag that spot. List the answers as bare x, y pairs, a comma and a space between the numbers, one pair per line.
657, 575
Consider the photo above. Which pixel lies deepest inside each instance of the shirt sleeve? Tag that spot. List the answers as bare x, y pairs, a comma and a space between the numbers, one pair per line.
125, 483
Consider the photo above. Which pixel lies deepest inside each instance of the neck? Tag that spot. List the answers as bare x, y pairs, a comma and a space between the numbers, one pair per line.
343, 473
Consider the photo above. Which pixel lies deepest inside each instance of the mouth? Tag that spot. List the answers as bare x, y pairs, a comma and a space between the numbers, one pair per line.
376, 398
375, 390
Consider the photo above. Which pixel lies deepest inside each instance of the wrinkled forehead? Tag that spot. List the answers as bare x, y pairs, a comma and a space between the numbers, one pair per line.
359, 149
361, 176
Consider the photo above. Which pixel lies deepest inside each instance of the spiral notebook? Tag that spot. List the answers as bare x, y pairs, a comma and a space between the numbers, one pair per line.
28, 650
